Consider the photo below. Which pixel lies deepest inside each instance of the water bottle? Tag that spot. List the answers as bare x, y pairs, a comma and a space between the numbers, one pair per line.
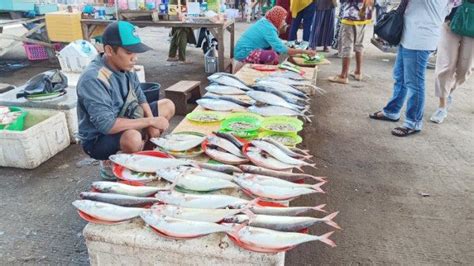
85, 48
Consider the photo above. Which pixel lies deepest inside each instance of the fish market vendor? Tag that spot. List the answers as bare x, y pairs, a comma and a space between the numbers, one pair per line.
260, 43
112, 109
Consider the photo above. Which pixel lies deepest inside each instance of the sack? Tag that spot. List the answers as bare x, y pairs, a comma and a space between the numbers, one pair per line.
463, 20
46, 82
131, 109
390, 25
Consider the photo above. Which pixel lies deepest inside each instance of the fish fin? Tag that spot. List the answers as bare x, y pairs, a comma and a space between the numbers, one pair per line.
250, 214
317, 187
307, 119
325, 239
319, 178
320, 208
328, 220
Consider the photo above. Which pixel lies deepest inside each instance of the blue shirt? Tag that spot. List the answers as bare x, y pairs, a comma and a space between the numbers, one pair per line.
261, 35
101, 93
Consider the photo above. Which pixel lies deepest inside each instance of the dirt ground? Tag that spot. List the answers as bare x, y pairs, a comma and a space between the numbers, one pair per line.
377, 181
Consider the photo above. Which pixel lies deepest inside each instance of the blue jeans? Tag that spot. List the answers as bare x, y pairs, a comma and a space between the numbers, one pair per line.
306, 15
409, 74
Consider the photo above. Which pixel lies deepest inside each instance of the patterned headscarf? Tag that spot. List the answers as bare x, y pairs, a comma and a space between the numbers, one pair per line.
276, 16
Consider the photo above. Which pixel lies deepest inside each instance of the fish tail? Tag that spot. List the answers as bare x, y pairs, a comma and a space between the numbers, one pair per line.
328, 220
318, 188
325, 239
312, 165
320, 208
319, 178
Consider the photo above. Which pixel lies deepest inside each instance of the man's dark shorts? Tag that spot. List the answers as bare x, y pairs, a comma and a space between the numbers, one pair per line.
103, 146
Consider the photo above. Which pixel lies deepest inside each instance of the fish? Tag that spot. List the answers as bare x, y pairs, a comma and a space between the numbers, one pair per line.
224, 157
276, 192
288, 75
225, 90
257, 157
145, 163
194, 182
228, 80
201, 201
119, 199
224, 168
229, 98
290, 98
219, 105
280, 155
294, 83
195, 214
225, 145
267, 240
286, 175
274, 181
178, 142
230, 138
282, 223
277, 110
285, 211
179, 228
285, 149
106, 211
281, 87
205, 172
119, 188
272, 99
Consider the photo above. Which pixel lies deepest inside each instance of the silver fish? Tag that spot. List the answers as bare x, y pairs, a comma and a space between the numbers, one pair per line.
286, 175
225, 145
145, 163
194, 182
229, 98
282, 223
224, 168
106, 211
274, 181
118, 199
230, 138
295, 83
290, 98
205, 172
285, 149
277, 110
225, 90
259, 158
281, 87
224, 157
219, 105
267, 240
285, 211
194, 214
276, 192
229, 80
179, 228
272, 99
280, 155
118, 188
201, 201
288, 74
178, 142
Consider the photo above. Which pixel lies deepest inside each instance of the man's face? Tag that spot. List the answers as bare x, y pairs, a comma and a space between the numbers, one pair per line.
122, 59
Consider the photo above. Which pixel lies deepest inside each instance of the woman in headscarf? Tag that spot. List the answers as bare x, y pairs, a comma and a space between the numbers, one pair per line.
322, 29
260, 43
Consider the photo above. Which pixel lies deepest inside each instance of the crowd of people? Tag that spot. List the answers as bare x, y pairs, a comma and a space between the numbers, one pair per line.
426, 29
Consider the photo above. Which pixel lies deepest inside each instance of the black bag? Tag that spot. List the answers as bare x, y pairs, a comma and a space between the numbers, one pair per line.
390, 25
46, 82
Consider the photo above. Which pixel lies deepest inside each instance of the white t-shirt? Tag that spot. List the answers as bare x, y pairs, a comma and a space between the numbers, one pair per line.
422, 24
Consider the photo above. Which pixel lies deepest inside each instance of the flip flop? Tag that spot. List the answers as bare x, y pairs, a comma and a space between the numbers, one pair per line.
338, 79
404, 132
383, 117
357, 77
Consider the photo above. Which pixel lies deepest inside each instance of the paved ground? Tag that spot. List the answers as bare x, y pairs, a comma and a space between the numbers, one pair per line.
376, 179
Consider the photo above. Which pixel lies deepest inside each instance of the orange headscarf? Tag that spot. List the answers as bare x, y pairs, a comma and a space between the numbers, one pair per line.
276, 16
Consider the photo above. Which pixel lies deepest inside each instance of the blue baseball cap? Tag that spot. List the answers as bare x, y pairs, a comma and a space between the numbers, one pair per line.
124, 34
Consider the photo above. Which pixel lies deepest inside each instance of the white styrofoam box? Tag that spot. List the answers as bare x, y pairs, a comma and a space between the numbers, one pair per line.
134, 243
36, 144
73, 63
76, 56
140, 70
72, 123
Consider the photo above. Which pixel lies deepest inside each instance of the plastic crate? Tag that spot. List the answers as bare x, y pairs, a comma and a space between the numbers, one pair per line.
19, 123
38, 52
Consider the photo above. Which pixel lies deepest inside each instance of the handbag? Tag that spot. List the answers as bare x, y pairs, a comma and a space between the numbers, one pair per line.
463, 20
390, 25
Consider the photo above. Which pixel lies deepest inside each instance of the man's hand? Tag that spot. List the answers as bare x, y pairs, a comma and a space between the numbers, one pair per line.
153, 132
311, 52
159, 123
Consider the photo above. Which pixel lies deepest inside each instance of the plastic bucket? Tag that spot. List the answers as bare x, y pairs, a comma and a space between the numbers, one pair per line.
151, 91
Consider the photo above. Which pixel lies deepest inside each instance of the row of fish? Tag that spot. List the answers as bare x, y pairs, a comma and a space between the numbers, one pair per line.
277, 94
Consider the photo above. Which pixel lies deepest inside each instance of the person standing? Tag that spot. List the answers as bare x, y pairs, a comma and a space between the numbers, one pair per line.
454, 65
301, 11
356, 14
423, 20
322, 28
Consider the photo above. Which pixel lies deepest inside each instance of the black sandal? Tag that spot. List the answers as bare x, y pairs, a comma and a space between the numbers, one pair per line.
404, 132
383, 117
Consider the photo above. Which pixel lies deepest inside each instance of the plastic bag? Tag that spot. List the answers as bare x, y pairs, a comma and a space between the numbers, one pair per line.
46, 82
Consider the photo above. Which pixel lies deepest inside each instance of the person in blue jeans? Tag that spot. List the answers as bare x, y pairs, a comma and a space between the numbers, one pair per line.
421, 31
302, 11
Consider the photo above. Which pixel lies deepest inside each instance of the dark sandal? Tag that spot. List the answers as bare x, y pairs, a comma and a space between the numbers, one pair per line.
404, 132
383, 117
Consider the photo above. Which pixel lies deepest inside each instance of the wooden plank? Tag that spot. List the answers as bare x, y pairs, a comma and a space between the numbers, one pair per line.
184, 86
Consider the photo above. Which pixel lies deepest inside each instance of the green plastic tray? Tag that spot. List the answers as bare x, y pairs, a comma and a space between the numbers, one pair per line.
19, 123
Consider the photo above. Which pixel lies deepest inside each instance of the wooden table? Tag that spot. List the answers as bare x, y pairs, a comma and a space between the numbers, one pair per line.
217, 29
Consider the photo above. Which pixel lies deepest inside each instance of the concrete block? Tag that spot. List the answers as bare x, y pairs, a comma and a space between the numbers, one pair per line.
134, 243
